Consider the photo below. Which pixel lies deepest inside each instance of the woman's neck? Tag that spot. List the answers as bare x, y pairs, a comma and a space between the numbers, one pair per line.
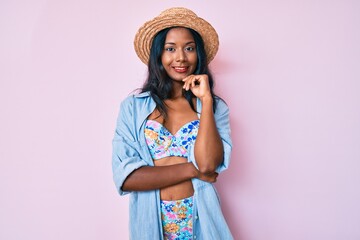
177, 91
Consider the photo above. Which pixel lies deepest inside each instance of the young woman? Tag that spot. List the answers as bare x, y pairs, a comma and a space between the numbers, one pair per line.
173, 138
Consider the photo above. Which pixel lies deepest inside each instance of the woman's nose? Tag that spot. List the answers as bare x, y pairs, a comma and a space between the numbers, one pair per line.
180, 56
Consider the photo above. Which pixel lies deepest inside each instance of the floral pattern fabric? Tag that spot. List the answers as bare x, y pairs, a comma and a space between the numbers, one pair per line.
176, 219
162, 143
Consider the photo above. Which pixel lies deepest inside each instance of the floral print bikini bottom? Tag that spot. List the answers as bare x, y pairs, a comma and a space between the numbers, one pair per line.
176, 219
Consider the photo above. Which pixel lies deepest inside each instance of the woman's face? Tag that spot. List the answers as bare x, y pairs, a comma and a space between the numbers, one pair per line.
179, 57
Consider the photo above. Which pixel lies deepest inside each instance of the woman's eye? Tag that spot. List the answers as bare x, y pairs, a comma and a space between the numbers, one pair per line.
170, 49
190, 49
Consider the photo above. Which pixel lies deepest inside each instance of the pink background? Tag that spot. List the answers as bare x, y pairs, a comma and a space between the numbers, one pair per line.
289, 70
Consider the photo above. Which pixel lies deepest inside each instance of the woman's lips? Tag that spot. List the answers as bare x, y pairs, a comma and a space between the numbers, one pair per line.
180, 69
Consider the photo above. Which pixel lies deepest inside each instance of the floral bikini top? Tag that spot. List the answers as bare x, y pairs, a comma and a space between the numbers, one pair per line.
162, 143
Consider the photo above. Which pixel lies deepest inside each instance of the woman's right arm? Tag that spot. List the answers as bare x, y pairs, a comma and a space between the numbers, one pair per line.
150, 178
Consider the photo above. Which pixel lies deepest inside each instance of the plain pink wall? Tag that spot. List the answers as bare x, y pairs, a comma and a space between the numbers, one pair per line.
289, 70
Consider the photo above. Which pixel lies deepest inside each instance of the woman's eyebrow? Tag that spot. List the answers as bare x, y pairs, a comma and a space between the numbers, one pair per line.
171, 43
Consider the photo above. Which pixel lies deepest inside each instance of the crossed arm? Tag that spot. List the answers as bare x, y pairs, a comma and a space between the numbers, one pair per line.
208, 155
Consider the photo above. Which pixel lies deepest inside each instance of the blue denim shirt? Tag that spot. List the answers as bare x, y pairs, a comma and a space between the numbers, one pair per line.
130, 152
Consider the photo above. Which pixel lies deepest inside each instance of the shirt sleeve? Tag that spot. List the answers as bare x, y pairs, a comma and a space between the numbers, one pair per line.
126, 148
222, 120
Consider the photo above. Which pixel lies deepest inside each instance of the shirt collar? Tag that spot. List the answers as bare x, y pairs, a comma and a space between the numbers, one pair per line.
143, 94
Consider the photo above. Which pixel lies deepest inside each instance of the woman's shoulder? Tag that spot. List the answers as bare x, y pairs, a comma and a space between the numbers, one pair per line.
137, 105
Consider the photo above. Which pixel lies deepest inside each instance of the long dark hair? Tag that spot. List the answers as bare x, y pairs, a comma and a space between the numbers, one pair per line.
159, 84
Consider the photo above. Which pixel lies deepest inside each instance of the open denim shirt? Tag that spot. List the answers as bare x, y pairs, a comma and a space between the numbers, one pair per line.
130, 152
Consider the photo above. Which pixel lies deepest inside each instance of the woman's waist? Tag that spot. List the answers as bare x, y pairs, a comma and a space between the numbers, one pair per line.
177, 192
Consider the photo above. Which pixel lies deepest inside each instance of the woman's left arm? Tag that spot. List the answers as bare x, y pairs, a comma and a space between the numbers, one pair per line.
209, 149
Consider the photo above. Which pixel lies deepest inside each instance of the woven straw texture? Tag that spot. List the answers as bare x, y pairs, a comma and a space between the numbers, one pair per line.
175, 17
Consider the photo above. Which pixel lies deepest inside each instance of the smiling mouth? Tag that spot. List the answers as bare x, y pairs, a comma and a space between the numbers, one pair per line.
180, 69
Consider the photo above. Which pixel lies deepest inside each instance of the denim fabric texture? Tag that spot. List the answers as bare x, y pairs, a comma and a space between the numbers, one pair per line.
130, 152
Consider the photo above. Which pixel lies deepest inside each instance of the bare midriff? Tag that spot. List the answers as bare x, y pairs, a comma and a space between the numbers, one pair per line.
179, 191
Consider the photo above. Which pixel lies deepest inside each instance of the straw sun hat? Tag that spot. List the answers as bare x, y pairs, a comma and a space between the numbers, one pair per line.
175, 17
